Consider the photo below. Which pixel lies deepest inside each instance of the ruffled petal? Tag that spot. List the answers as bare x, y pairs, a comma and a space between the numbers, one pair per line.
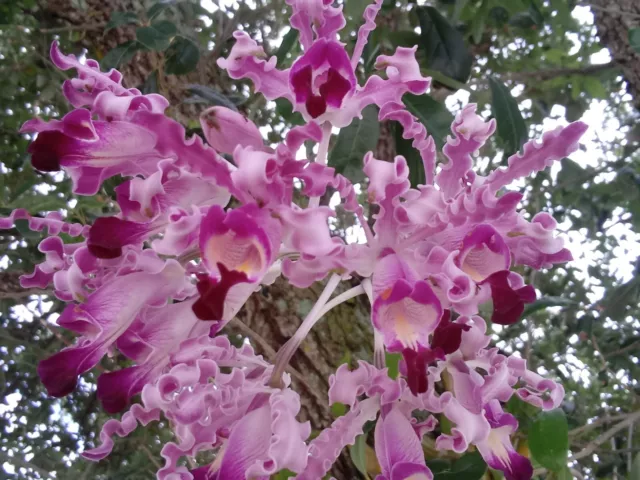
246, 61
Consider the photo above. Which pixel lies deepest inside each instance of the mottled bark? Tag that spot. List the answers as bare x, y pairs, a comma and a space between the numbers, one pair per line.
614, 19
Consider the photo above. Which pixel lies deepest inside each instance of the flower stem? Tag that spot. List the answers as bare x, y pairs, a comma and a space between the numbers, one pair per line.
288, 349
379, 359
321, 158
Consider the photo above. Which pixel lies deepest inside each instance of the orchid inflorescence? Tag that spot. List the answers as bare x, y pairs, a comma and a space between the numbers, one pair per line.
161, 279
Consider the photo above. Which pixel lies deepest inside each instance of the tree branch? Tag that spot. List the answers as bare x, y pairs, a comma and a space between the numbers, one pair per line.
10, 287
561, 72
74, 28
596, 423
593, 445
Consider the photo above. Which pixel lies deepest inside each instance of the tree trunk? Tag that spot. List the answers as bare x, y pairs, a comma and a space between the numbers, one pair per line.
614, 19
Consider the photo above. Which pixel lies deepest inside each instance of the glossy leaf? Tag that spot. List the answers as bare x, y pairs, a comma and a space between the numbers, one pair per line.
546, 302
181, 57
405, 148
118, 19
634, 38
212, 96
433, 115
634, 473
444, 46
119, 55
353, 142
157, 36
158, 8
470, 466
150, 85
617, 300
549, 439
511, 127
288, 41
358, 454
392, 361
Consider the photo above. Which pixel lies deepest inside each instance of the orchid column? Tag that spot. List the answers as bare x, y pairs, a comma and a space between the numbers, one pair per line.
202, 226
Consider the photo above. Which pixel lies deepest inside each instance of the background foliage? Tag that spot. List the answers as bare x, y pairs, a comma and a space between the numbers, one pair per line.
522, 61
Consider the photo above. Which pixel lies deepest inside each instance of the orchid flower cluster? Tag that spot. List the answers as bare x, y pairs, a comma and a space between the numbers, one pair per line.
197, 234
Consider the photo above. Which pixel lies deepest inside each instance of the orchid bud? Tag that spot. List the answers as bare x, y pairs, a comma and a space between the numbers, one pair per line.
225, 129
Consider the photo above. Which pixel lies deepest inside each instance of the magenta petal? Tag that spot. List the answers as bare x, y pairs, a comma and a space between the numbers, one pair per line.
115, 388
471, 132
315, 16
410, 471
248, 443
246, 60
396, 443
497, 450
59, 373
213, 293
406, 314
105, 315
108, 235
335, 88
242, 239
483, 253
555, 145
416, 363
322, 77
508, 303
448, 335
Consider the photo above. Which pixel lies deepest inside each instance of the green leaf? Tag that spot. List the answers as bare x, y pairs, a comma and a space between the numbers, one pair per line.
212, 96
393, 364
549, 439
433, 115
511, 127
585, 326
470, 466
617, 299
358, 454
284, 474
158, 8
499, 16
563, 474
22, 225
444, 46
119, 55
403, 38
285, 110
546, 302
182, 56
405, 148
119, 19
634, 473
634, 38
355, 8
157, 36
479, 22
288, 41
530, 19
40, 203
360, 137
535, 13
570, 173
150, 85
338, 409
